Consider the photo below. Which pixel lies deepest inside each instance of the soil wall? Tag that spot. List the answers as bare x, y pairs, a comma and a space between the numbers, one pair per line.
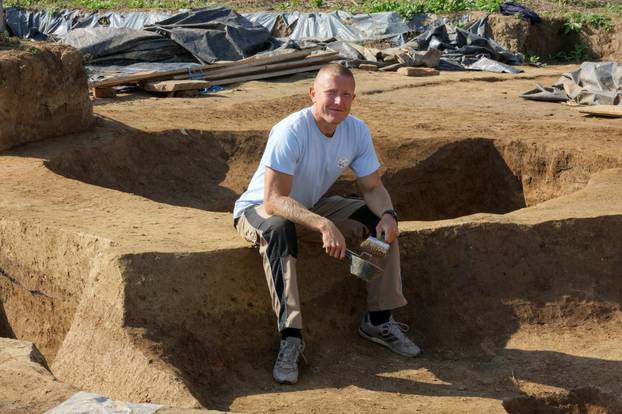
43, 272
43, 93
547, 38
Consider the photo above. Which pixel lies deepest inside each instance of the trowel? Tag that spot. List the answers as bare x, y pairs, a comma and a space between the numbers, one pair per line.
361, 264
361, 267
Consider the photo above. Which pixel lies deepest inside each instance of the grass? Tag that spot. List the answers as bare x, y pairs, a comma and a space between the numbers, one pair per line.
93, 5
575, 21
408, 8
532, 59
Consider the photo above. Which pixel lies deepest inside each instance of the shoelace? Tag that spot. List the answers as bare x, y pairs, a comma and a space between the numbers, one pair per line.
397, 328
289, 353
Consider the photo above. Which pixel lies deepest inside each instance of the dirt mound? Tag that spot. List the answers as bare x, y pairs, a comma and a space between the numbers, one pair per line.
579, 401
43, 93
548, 38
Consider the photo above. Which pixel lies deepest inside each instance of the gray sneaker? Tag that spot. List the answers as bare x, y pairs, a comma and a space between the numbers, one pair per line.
389, 334
285, 369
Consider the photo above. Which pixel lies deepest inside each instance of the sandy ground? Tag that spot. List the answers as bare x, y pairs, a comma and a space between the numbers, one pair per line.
512, 293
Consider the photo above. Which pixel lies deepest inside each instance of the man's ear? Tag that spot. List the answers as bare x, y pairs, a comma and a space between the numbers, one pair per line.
312, 93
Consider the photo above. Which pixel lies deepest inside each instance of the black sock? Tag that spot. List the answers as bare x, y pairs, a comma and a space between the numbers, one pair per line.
291, 332
379, 317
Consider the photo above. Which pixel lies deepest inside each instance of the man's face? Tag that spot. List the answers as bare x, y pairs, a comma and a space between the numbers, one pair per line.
332, 97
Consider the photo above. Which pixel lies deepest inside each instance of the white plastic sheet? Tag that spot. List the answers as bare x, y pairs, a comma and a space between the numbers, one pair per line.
90, 403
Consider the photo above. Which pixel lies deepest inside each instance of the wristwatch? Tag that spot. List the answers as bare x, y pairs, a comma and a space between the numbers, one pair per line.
391, 212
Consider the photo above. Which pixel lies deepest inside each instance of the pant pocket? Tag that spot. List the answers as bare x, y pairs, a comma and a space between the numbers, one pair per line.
247, 231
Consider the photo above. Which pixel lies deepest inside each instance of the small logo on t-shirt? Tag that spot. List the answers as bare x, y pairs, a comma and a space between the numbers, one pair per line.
342, 162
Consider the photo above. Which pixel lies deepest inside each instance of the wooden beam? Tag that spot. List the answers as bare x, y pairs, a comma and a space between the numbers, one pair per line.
149, 75
410, 71
609, 111
103, 92
175, 85
265, 75
240, 71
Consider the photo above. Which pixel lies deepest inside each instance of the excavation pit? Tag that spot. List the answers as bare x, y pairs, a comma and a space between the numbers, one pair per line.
123, 264
428, 181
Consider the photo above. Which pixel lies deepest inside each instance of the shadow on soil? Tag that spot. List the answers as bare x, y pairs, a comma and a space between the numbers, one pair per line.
468, 377
584, 400
186, 168
5, 327
459, 179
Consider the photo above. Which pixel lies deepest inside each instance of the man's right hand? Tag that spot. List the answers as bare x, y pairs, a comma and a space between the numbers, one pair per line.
333, 242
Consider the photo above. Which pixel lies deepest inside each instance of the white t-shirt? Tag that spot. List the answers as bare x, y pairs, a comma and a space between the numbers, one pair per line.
297, 147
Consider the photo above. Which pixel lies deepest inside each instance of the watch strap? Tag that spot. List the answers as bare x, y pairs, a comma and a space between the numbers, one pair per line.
391, 212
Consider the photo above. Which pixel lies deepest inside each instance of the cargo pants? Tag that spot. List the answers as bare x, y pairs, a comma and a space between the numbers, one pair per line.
277, 239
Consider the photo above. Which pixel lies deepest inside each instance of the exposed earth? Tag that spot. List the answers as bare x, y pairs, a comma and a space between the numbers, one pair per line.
119, 261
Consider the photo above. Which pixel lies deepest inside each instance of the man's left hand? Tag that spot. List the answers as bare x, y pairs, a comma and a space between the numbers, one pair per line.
388, 227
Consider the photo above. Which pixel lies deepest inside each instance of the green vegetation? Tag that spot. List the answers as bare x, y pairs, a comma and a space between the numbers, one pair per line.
588, 4
532, 59
408, 8
92, 5
615, 9
580, 53
575, 21
7, 40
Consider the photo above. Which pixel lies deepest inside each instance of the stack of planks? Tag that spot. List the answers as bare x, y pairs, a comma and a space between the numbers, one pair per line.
253, 68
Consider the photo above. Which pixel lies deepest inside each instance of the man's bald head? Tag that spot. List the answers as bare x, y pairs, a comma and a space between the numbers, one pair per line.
333, 69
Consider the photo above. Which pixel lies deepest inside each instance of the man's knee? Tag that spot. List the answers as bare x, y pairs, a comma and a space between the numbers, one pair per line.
280, 234
367, 217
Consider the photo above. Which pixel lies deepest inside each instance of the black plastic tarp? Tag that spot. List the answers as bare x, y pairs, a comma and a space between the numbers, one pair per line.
219, 33
41, 24
337, 25
215, 33
594, 83
467, 48
108, 45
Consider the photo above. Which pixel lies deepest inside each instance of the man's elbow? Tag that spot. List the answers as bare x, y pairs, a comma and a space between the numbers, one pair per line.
268, 205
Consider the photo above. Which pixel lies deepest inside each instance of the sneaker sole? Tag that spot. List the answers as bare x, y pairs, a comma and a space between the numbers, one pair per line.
386, 345
284, 382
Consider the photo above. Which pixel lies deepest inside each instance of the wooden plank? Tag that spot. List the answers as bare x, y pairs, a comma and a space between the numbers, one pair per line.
410, 71
175, 85
610, 111
259, 76
368, 67
314, 60
392, 68
183, 73
103, 92
253, 61
123, 79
